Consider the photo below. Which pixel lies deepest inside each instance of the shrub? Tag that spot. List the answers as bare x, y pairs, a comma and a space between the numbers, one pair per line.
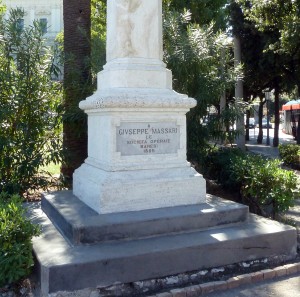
16, 232
201, 64
29, 101
263, 185
290, 154
218, 166
266, 188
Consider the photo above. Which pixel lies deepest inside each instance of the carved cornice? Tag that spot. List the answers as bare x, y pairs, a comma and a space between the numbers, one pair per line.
102, 101
43, 12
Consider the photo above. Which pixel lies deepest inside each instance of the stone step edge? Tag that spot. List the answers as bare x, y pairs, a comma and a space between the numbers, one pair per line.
291, 269
123, 227
233, 282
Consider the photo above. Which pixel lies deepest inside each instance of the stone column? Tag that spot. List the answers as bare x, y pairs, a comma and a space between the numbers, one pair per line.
239, 94
136, 122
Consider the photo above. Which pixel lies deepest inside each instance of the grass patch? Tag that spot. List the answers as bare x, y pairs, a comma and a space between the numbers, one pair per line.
52, 168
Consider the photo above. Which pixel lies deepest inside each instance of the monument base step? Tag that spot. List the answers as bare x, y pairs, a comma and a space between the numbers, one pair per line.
81, 225
66, 267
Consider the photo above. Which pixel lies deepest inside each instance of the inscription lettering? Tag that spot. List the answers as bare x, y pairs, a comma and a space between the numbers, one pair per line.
147, 131
147, 138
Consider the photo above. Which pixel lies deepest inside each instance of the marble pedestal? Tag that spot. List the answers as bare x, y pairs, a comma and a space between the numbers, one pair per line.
137, 153
110, 192
137, 141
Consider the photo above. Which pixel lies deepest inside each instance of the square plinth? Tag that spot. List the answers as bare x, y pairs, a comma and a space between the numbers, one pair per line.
122, 191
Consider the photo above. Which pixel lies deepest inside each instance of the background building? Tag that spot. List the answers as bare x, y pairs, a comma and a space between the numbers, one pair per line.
48, 12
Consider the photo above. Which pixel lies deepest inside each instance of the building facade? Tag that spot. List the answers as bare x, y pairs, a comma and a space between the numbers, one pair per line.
48, 12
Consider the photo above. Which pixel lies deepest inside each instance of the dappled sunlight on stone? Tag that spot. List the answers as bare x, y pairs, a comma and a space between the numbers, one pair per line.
220, 236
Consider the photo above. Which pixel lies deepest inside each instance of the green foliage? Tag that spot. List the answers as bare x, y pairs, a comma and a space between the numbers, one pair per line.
290, 154
98, 35
266, 187
16, 231
221, 126
218, 166
2, 8
202, 11
193, 53
279, 20
276, 15
263, 185
29, 101
202, 67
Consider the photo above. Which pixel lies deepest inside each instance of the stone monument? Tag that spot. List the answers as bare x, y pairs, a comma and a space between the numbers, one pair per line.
136, 122
138, 211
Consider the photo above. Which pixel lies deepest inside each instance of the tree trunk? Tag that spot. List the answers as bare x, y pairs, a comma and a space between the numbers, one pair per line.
240, 139
298, 131
77, 82
247, 125
277, 117
260, 116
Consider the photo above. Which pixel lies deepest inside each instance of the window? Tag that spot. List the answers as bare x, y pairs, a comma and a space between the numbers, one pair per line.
43, 23
20, 24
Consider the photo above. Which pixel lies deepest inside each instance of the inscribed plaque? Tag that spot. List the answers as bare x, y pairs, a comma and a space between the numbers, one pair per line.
147, 138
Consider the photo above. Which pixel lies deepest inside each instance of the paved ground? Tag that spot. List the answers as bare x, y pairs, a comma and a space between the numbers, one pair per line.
283, 287
267, 150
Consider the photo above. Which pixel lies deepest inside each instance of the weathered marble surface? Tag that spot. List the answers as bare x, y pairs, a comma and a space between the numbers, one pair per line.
115, 179
129, 172
134, 29
134, 49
